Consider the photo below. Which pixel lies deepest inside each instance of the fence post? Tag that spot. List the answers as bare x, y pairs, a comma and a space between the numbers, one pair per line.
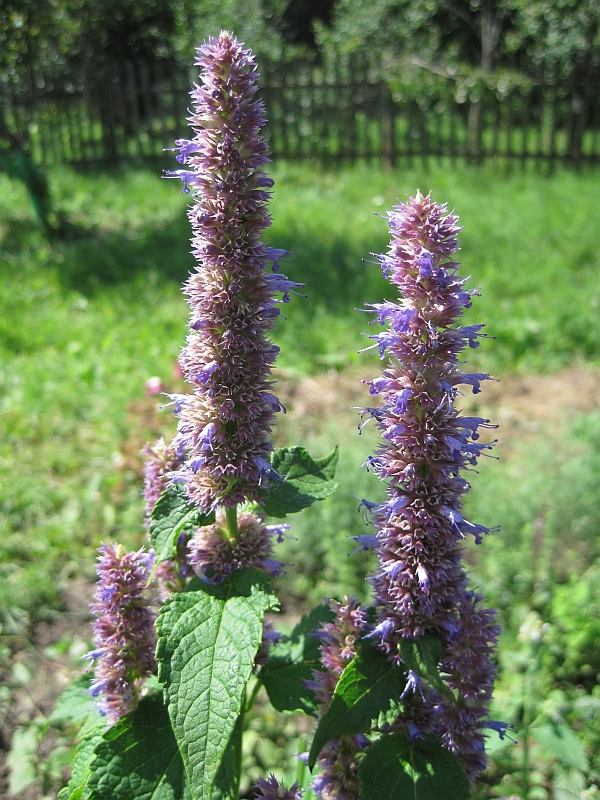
474, 126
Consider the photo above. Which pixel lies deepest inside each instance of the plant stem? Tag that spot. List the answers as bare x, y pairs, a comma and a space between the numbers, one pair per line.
232, 522
301, 767
253, 695
526, 724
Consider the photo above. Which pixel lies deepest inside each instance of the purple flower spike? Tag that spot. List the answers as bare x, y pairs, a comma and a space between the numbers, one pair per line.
421, 585
225, 424
469, 664
271, 789
214, 555
339, 758
123, 630
161, 459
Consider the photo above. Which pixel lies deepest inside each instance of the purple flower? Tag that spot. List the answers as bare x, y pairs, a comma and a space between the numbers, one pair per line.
270, 637
413, 684
271, 789
160, 460
468, 664
224, 426
340, 758
123, 630
214, 554
366, 541
421, 585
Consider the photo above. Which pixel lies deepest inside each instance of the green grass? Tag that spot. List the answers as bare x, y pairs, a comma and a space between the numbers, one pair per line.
528, 242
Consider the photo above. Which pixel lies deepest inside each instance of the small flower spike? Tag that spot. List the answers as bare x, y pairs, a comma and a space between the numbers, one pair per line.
160, 460
271, 789
339, 758
123, 630
214, 554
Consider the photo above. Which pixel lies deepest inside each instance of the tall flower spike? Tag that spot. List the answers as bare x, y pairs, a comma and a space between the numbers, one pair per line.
123, 630
420, 584
224, 425
339, 758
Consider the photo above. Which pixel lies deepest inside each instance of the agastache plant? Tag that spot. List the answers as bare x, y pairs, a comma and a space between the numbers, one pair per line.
400, 690
421, 588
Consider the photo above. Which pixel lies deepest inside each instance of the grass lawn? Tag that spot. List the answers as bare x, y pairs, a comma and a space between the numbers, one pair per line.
86, 320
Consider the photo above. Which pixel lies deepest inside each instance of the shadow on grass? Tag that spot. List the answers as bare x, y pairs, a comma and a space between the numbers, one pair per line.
333, 271
94, 258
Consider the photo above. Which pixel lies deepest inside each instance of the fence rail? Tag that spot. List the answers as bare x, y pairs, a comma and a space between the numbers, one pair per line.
340, 110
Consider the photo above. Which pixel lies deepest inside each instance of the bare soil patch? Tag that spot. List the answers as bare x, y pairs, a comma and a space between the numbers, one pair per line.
528, 402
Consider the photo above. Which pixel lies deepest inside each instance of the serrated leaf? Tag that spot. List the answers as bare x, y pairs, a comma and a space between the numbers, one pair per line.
423, 655
390, 715
291, 664
569, 785
563, 743
208, 639
138, 757
77, 788
394, 769
303, 480
370, 684
76, 706
172, 513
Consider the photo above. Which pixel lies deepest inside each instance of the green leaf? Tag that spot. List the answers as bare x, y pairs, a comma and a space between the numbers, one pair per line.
563, 743
390, 715
77, 707
76, 704
370, 684
22, 757
77, 788
138, 758
393, 769
304, 480
208, 639
227, 780
172, 513
568, 785
423, 655
291, 664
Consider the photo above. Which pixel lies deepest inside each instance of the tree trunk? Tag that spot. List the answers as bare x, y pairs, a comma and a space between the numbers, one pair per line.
490, 30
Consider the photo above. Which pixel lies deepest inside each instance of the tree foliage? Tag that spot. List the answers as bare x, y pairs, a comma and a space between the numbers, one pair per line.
446, 35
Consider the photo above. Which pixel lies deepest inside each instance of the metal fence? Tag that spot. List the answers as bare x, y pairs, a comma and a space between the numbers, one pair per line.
338, 110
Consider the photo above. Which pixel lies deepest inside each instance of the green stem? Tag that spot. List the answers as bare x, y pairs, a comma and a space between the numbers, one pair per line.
232, 522
253, 695
301, 766
526, 724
